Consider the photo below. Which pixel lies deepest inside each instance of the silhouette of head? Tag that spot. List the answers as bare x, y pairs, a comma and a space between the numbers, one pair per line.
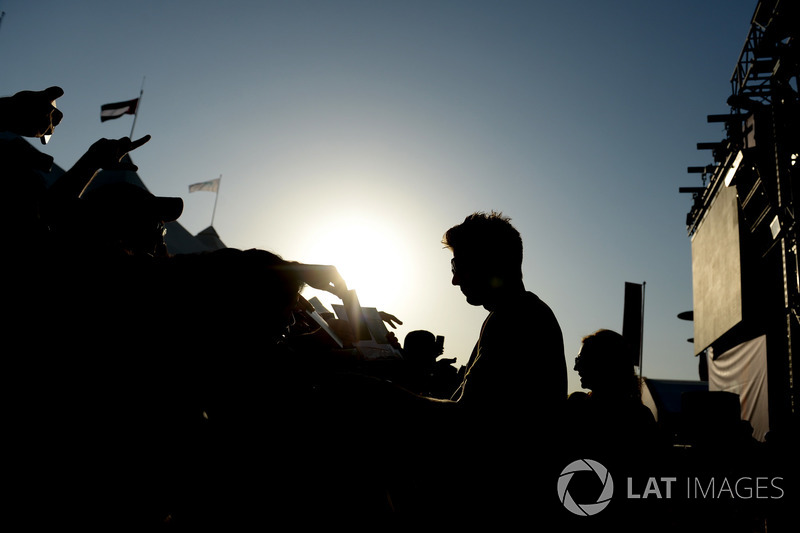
605, 366
255, 293
419, 347
487, 256
129, 217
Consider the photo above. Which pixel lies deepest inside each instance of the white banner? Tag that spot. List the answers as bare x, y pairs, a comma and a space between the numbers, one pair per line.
743, 371
211, 185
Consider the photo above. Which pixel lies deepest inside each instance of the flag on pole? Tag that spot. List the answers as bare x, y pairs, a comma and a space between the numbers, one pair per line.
211, 185
116, 110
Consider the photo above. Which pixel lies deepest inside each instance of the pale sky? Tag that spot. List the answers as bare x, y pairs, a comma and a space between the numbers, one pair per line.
355, 133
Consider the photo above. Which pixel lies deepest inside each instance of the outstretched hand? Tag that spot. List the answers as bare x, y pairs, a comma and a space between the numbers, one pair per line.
31, 113
109, 153
106, 154
390, 319
324, 278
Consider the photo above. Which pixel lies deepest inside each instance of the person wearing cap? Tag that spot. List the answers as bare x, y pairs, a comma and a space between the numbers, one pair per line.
26, 114
31, 113
37, 207
60, 202
123, 218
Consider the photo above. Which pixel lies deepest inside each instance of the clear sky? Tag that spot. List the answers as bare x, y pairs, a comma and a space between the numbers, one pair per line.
355, 133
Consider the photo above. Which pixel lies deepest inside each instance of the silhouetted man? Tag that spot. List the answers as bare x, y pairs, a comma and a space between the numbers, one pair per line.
517, 369
515, 382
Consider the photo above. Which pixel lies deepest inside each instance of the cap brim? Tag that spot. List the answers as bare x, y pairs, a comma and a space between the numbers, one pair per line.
168, 209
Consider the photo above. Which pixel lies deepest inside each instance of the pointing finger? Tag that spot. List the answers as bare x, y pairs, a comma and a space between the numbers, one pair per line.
139, 142
51, 93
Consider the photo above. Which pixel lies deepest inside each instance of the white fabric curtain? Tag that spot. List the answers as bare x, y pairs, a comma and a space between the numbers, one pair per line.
743, 370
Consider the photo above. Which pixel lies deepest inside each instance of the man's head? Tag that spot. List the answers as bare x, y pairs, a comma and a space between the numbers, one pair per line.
487, 256
604, 364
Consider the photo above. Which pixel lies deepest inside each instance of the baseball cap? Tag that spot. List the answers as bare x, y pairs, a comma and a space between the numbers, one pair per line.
123, 200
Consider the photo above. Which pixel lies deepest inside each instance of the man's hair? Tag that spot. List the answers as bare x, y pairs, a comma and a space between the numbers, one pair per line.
490, 236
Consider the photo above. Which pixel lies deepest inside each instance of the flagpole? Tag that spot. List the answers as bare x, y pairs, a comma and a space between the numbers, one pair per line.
214, 211
138, 104
641, 332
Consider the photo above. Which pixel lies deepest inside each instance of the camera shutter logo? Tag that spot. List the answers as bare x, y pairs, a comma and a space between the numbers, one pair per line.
585, 509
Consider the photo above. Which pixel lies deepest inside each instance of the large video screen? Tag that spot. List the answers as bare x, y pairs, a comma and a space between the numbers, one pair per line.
717, 270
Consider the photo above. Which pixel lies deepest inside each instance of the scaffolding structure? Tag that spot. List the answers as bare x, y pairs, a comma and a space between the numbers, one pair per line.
758, 157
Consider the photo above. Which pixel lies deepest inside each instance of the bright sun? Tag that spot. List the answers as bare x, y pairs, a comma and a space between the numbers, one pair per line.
368, 255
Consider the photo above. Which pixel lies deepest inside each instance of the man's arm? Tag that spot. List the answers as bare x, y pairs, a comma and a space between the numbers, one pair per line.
104, 154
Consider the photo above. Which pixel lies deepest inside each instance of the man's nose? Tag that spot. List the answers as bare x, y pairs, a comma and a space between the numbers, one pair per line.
456, 280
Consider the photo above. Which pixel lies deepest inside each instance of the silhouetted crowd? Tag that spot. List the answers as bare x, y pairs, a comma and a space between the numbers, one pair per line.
147, 389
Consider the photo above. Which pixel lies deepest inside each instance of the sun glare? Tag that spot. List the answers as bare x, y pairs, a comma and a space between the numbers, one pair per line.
368, 256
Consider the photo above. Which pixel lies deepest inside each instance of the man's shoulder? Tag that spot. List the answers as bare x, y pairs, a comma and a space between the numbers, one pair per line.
534, 299
525, 313
527, 303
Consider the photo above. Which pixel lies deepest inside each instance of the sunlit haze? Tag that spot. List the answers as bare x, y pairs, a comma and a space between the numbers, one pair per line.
356, 133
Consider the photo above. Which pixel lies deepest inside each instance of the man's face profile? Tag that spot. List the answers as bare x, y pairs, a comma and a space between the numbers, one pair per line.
471, 275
